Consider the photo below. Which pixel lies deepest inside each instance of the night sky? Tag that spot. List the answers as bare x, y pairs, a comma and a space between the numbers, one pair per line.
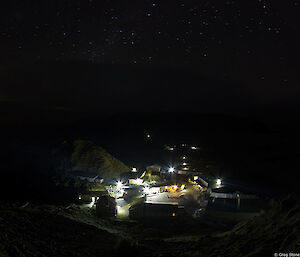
247, 50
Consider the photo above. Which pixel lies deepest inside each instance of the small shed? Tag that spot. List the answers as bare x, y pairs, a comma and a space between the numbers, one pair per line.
106, 206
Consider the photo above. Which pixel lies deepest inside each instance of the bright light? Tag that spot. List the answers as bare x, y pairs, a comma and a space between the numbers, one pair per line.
90, 205
184, 164
147, 190
196, 177
173, 214
79, 197
119, 184
138, 181
175, 187
183, 157
182, 187
134, 169
171, 169
219, 182
120, 210
148, 135
92, 202
155, 190
194, 148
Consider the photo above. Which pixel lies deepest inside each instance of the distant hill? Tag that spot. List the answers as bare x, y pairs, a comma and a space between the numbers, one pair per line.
85, 156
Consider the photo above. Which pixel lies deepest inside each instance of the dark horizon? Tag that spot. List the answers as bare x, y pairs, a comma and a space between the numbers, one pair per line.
83, 87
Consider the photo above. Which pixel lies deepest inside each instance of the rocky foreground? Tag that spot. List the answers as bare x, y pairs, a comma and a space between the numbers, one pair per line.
274, 231
36, 232
26, 233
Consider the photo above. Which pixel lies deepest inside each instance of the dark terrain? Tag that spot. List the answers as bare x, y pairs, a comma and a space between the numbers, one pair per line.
56, 231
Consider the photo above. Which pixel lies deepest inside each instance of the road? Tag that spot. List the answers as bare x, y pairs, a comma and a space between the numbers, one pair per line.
189, 198
161, 198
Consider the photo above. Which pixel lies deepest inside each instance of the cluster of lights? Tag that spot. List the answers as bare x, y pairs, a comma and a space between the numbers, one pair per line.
170, 148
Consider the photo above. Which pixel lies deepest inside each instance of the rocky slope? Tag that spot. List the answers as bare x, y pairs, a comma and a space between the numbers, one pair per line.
275, 231
85, 156
37, 232
25, 233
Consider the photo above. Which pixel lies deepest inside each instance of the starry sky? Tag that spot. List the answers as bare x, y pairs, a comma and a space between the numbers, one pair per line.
253, 43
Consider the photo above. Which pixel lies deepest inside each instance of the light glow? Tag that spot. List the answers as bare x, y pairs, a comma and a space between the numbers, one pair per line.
119, 184
171, 169
120, 211
147, 190
137, 181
